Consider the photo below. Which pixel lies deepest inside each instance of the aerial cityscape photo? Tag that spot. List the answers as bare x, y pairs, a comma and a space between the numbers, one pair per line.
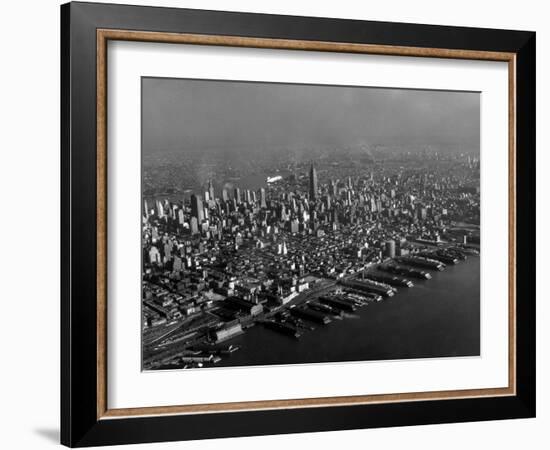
299, 224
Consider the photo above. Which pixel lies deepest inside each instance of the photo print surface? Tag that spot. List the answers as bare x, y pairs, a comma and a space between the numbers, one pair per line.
299, 224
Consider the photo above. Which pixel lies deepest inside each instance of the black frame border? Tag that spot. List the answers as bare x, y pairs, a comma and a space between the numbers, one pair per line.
79, 424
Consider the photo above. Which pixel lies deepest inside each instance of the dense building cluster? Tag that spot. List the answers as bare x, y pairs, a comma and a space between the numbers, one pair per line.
220, 259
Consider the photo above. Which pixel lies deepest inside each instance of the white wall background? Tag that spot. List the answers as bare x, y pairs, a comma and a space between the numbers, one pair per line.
29, 224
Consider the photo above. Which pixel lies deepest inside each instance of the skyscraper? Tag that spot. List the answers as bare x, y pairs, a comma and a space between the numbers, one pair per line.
237, 195
197, 209
160, 209
211, 190
312, 183
262, 198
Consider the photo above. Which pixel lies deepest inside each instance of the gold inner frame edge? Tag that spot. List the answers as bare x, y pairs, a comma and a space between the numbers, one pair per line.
103, 36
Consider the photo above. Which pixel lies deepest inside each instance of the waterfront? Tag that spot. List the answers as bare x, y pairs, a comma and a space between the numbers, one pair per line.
435, 318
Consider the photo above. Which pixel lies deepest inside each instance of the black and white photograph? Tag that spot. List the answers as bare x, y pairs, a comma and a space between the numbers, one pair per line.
297, 224
275, 225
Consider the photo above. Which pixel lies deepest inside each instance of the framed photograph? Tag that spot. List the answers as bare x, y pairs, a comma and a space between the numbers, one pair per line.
276, 224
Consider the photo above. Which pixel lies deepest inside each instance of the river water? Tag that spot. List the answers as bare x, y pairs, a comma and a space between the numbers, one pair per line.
435, 318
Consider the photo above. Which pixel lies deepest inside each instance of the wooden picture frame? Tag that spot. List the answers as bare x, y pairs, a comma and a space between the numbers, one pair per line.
86, 418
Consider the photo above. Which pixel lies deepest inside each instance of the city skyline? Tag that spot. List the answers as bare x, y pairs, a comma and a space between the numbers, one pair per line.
259, 258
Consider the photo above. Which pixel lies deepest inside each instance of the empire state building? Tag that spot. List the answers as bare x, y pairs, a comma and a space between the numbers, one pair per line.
312, 183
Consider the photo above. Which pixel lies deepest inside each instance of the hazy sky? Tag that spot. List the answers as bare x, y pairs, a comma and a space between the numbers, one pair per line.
178, 113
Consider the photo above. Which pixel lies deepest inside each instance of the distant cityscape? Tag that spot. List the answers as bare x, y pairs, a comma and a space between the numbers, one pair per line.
296, 249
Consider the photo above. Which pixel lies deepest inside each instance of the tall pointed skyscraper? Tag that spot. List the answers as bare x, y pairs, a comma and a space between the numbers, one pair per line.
211, 190
263, 203
312, 183
197, 209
